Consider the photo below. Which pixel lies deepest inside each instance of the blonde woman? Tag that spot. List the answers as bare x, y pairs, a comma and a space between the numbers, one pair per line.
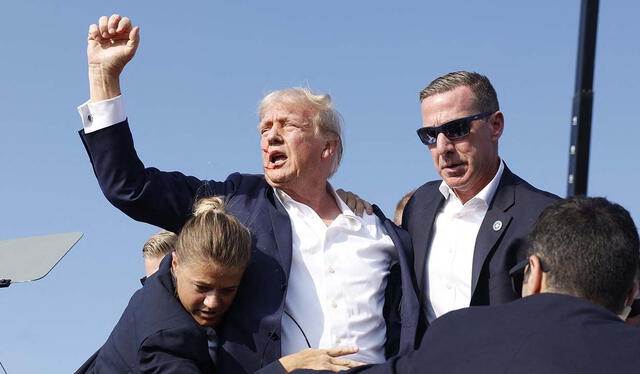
169, 324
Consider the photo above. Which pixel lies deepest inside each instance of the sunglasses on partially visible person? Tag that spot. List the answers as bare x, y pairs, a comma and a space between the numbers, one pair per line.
456, 129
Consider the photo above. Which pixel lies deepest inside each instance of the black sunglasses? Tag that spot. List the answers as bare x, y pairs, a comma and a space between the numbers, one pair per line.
458, 128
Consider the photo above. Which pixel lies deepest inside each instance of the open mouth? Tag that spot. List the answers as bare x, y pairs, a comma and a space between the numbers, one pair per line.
207, 314
276, 160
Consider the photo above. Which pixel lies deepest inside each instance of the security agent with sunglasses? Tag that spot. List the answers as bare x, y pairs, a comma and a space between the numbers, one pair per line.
467, 228
580, 279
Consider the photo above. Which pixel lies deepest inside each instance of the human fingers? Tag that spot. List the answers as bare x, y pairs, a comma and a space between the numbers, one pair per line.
134, 39
103, 24
350, 199
112, 24
341, 351
336, 368
368, 207
124, 25
360, 205
345, 362
94, 34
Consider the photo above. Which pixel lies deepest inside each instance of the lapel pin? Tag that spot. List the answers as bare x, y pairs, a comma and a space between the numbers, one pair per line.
497, 225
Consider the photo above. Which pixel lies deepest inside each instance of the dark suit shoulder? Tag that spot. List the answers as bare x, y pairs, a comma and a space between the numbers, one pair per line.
155, 307
525, 189
550, 332
427, 195
428, 188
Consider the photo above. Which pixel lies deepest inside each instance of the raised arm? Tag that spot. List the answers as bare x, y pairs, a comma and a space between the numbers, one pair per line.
111, 44
144, 194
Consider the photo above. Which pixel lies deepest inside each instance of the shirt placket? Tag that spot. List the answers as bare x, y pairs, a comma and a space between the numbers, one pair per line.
452, 253
334, 276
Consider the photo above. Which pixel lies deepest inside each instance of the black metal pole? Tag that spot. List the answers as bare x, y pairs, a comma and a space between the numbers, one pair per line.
583, 100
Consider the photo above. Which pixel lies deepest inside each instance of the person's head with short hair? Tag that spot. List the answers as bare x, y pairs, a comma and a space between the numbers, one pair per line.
465, 149
484, 95
585, 247
301, 137
211, 255
154, 250
397, 217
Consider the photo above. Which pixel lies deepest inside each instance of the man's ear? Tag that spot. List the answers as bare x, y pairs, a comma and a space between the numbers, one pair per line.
633, 294
496, 121
533, 279
330, 148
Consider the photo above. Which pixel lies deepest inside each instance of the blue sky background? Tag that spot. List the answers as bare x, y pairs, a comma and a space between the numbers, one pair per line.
191, 95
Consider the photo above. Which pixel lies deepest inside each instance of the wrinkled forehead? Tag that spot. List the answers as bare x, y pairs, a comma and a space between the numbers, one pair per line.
280, 110
448, 106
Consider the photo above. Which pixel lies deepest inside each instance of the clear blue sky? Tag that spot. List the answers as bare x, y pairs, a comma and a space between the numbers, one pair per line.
191, 94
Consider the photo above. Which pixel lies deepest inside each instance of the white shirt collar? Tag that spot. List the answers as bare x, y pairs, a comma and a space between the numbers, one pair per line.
486, 194
351, 219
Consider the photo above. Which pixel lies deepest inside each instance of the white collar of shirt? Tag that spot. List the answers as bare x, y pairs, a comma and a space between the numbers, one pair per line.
485, 195
350, 220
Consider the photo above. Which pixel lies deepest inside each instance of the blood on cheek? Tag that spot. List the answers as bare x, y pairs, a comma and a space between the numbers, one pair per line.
267, 167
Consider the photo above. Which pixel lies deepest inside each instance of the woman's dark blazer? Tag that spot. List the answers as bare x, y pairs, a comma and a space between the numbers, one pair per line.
154, 334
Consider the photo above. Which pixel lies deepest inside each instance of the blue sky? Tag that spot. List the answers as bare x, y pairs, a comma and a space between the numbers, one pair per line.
191, 95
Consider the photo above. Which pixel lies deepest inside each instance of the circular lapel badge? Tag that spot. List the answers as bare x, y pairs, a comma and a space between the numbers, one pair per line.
497, 225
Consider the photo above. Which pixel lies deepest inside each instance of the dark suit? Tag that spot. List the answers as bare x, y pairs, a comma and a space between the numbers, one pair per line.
154, 334
544, 333
516, 205
251, 332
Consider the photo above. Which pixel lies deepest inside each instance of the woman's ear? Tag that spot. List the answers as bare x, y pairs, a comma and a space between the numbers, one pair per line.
174, 261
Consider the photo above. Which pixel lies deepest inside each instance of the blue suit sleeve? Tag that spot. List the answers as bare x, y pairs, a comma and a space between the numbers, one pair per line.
163, 199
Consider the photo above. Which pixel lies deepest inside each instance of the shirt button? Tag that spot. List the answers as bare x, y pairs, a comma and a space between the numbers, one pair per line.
333, 304
448, 286
338, 340
90, 118
331, 270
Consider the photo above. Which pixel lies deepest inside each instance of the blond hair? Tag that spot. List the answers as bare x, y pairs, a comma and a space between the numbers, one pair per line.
326, 121
159, 244
214, 235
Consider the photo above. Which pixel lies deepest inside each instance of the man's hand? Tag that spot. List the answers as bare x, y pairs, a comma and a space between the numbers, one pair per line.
354, 202
320, 359
111, 44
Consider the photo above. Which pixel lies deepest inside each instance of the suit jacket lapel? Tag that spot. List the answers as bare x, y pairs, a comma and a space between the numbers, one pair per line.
282, 231
494, 225
425, 214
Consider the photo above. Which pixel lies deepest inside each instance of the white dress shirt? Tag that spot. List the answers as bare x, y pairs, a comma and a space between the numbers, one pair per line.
337, 281
450, 259
338, 273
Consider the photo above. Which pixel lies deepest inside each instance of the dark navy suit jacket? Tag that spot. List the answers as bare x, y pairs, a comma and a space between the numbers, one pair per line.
250, 335
514, 210
155, 334
544, 333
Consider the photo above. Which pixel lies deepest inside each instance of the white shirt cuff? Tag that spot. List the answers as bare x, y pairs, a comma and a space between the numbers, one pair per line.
101, 114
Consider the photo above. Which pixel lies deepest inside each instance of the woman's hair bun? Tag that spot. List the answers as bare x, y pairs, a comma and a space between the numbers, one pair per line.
209, 204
